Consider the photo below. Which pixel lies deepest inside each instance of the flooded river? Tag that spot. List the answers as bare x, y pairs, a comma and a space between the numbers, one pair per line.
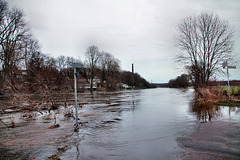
133, 124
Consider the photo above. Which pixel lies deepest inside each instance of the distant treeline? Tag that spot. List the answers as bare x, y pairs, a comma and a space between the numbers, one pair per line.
134, 79
183, 82
180, 82
39, 72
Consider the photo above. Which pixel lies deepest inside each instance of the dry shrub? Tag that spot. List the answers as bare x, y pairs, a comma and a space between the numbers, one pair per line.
210, 94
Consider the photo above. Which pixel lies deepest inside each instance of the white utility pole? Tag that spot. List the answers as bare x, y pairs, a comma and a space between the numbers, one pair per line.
225, 64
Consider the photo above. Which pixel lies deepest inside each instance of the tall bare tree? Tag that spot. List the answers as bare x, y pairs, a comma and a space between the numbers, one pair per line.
103, 65
205, 42
14, 33
61, 62
92, 60
31, 47
3, 10
110, 68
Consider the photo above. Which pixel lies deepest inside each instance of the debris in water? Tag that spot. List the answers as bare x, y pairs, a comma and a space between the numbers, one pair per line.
4, 123
12, 125
77, 126
53, 157
69, 114
27, 114
108, 101
62, 149
53, 126
88, 115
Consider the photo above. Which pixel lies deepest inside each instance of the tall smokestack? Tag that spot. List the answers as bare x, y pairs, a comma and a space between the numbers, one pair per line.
132, 68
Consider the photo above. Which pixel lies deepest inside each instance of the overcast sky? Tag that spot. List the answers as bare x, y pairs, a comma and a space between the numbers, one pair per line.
134, 31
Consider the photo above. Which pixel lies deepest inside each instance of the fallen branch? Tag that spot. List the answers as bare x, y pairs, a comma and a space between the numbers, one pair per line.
53, 126
11, 126
4, 123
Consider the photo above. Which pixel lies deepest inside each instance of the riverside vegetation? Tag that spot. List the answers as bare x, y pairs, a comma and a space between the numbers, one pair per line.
31, 80
218, 96
206, 43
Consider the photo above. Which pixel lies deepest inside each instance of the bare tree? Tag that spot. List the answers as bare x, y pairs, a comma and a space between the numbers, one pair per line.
31, 47
205, 42
110, 67
61, 62
103, 66
3, 10
70, 60
14, 33
92, 59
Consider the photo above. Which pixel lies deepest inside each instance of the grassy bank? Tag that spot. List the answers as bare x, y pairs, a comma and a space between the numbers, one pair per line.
230, 103
218, 95
233, 89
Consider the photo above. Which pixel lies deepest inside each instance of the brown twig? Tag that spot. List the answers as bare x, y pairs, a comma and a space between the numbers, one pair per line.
4, 123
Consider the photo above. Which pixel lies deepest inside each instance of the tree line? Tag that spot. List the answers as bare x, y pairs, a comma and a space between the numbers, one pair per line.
25, 69
180, 82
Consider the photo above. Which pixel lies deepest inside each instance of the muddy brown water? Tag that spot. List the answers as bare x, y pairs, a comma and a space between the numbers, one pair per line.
134, 124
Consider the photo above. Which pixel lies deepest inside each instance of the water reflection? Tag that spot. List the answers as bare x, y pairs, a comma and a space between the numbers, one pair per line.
135, 124
208, 112
142, 126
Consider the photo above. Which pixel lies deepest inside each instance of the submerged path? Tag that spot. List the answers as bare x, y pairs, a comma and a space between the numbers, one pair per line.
137, 124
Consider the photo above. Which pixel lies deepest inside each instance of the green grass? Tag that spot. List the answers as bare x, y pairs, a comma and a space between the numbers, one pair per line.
221, 93
233, 89
230, 103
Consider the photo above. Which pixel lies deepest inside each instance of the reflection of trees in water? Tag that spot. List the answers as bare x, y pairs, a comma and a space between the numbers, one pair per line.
235, 110
206, 112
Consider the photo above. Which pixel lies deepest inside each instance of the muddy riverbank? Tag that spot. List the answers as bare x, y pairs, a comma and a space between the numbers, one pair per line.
135, 124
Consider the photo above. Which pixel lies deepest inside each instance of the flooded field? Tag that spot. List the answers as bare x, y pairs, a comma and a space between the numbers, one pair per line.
134, 124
